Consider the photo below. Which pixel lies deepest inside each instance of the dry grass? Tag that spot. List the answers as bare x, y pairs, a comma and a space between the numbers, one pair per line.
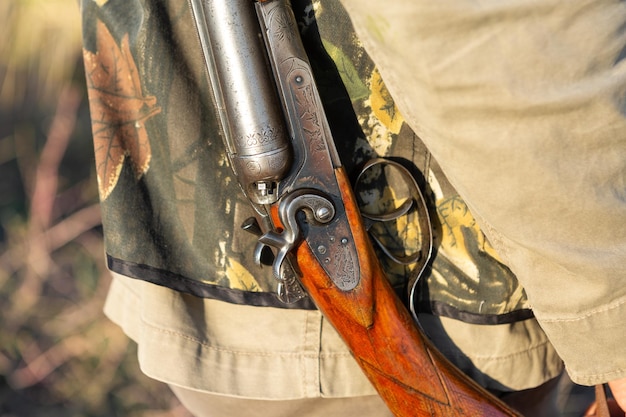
58, 355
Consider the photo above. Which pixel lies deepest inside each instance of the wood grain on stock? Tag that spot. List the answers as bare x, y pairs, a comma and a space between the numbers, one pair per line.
411, 375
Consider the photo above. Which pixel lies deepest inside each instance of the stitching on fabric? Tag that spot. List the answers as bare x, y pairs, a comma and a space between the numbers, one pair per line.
604, 375
511, 355
220, 349
335, 355
590, 313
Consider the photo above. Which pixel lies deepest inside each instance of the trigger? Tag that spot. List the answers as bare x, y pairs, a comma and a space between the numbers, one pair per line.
263, 254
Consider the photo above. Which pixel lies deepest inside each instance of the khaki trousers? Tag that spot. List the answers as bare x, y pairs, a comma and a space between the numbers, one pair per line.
537, 402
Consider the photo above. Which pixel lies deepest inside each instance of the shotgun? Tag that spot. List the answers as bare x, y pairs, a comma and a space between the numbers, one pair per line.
281, 150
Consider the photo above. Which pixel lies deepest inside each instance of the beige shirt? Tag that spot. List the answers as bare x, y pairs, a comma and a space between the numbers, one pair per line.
270, 353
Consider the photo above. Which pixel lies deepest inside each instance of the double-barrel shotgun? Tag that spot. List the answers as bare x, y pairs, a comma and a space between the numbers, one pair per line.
282, 152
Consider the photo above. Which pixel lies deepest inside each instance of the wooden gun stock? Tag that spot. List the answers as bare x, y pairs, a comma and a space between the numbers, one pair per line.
410, 374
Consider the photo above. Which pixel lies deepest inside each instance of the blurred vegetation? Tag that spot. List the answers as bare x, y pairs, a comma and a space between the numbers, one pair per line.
59, 356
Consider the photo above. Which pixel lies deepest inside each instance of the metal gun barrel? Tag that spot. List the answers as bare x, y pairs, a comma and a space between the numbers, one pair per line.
251, 115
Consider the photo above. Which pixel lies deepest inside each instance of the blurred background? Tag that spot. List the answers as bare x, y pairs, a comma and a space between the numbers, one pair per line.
59, 356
